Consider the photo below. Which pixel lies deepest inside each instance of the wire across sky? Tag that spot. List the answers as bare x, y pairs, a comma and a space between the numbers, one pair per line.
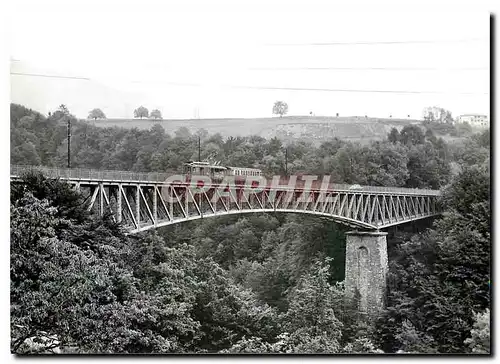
367, 69
356, 90
272, 87
378, 42
49, 76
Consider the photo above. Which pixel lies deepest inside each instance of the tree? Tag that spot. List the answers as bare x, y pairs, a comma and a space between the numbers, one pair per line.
63, 109
155, 114
446, 116
70, 300
463, 129
427, 166
141, 112
310, 325
26, 153
385, 164
280, 108
96, 114
394, 136
479, 342
437, 281
412, 135
62, 113
437, 114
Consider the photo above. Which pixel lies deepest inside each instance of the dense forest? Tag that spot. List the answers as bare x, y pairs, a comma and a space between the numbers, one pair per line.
263, 283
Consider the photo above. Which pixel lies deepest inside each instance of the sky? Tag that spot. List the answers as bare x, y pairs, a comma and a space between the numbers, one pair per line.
221, 61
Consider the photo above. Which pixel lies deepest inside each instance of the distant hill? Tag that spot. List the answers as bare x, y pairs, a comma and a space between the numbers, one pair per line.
314, 128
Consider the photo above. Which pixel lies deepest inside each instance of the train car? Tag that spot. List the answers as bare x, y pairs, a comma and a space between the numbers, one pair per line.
217, 172
240, 171
213, 171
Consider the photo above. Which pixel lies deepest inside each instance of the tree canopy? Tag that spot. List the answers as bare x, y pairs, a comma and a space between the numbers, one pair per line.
96, 114
437, 114
155, 114
141, 112
280, 108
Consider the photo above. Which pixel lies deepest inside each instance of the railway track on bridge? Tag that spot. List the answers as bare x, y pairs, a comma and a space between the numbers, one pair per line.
143, 201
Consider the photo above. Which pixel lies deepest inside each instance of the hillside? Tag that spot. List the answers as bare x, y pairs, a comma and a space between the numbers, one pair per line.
314, 128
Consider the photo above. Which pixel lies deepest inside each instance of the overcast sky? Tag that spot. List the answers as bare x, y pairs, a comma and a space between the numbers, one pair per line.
180, 59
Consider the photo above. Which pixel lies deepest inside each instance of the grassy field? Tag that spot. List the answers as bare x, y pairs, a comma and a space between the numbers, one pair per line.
289, 127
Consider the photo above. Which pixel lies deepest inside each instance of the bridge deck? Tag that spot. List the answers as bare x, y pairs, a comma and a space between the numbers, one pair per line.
143, 201
156, 178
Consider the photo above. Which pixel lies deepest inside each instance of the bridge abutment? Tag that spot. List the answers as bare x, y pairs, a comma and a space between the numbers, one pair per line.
365, 270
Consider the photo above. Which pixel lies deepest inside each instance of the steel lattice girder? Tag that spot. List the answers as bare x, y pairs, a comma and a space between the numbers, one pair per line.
149, 205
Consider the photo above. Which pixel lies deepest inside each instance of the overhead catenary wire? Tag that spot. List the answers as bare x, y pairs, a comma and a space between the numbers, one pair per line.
276, 87
355, 90
324, 89
49, 76
394, 42
366, 69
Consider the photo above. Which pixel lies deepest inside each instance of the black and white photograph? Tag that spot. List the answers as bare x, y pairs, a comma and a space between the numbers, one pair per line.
234, 178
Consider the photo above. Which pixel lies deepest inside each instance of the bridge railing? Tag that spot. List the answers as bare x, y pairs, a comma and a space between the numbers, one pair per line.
375, 189
111, 175
90, 174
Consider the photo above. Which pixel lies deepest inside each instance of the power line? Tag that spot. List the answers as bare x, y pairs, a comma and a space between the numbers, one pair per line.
355, 90
49, 76
329, 89
168, 83
365, 69
378, 42
275, 88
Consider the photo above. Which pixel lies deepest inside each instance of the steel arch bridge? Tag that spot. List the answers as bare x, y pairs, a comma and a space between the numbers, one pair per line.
143, 201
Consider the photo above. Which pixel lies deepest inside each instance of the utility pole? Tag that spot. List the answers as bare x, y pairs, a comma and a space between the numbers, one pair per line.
286, 161
199, 148
69, 142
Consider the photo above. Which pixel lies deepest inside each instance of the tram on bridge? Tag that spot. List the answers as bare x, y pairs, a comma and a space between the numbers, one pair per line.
218, 172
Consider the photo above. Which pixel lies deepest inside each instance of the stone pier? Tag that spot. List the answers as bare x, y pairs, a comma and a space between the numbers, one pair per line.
366, 269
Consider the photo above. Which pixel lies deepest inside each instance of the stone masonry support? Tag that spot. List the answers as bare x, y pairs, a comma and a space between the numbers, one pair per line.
366, 269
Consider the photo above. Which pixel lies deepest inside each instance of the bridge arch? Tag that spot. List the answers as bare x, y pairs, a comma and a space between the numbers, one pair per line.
338, 219
139, 200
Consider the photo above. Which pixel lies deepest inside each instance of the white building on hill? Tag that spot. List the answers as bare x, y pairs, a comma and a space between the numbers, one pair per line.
475, 120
